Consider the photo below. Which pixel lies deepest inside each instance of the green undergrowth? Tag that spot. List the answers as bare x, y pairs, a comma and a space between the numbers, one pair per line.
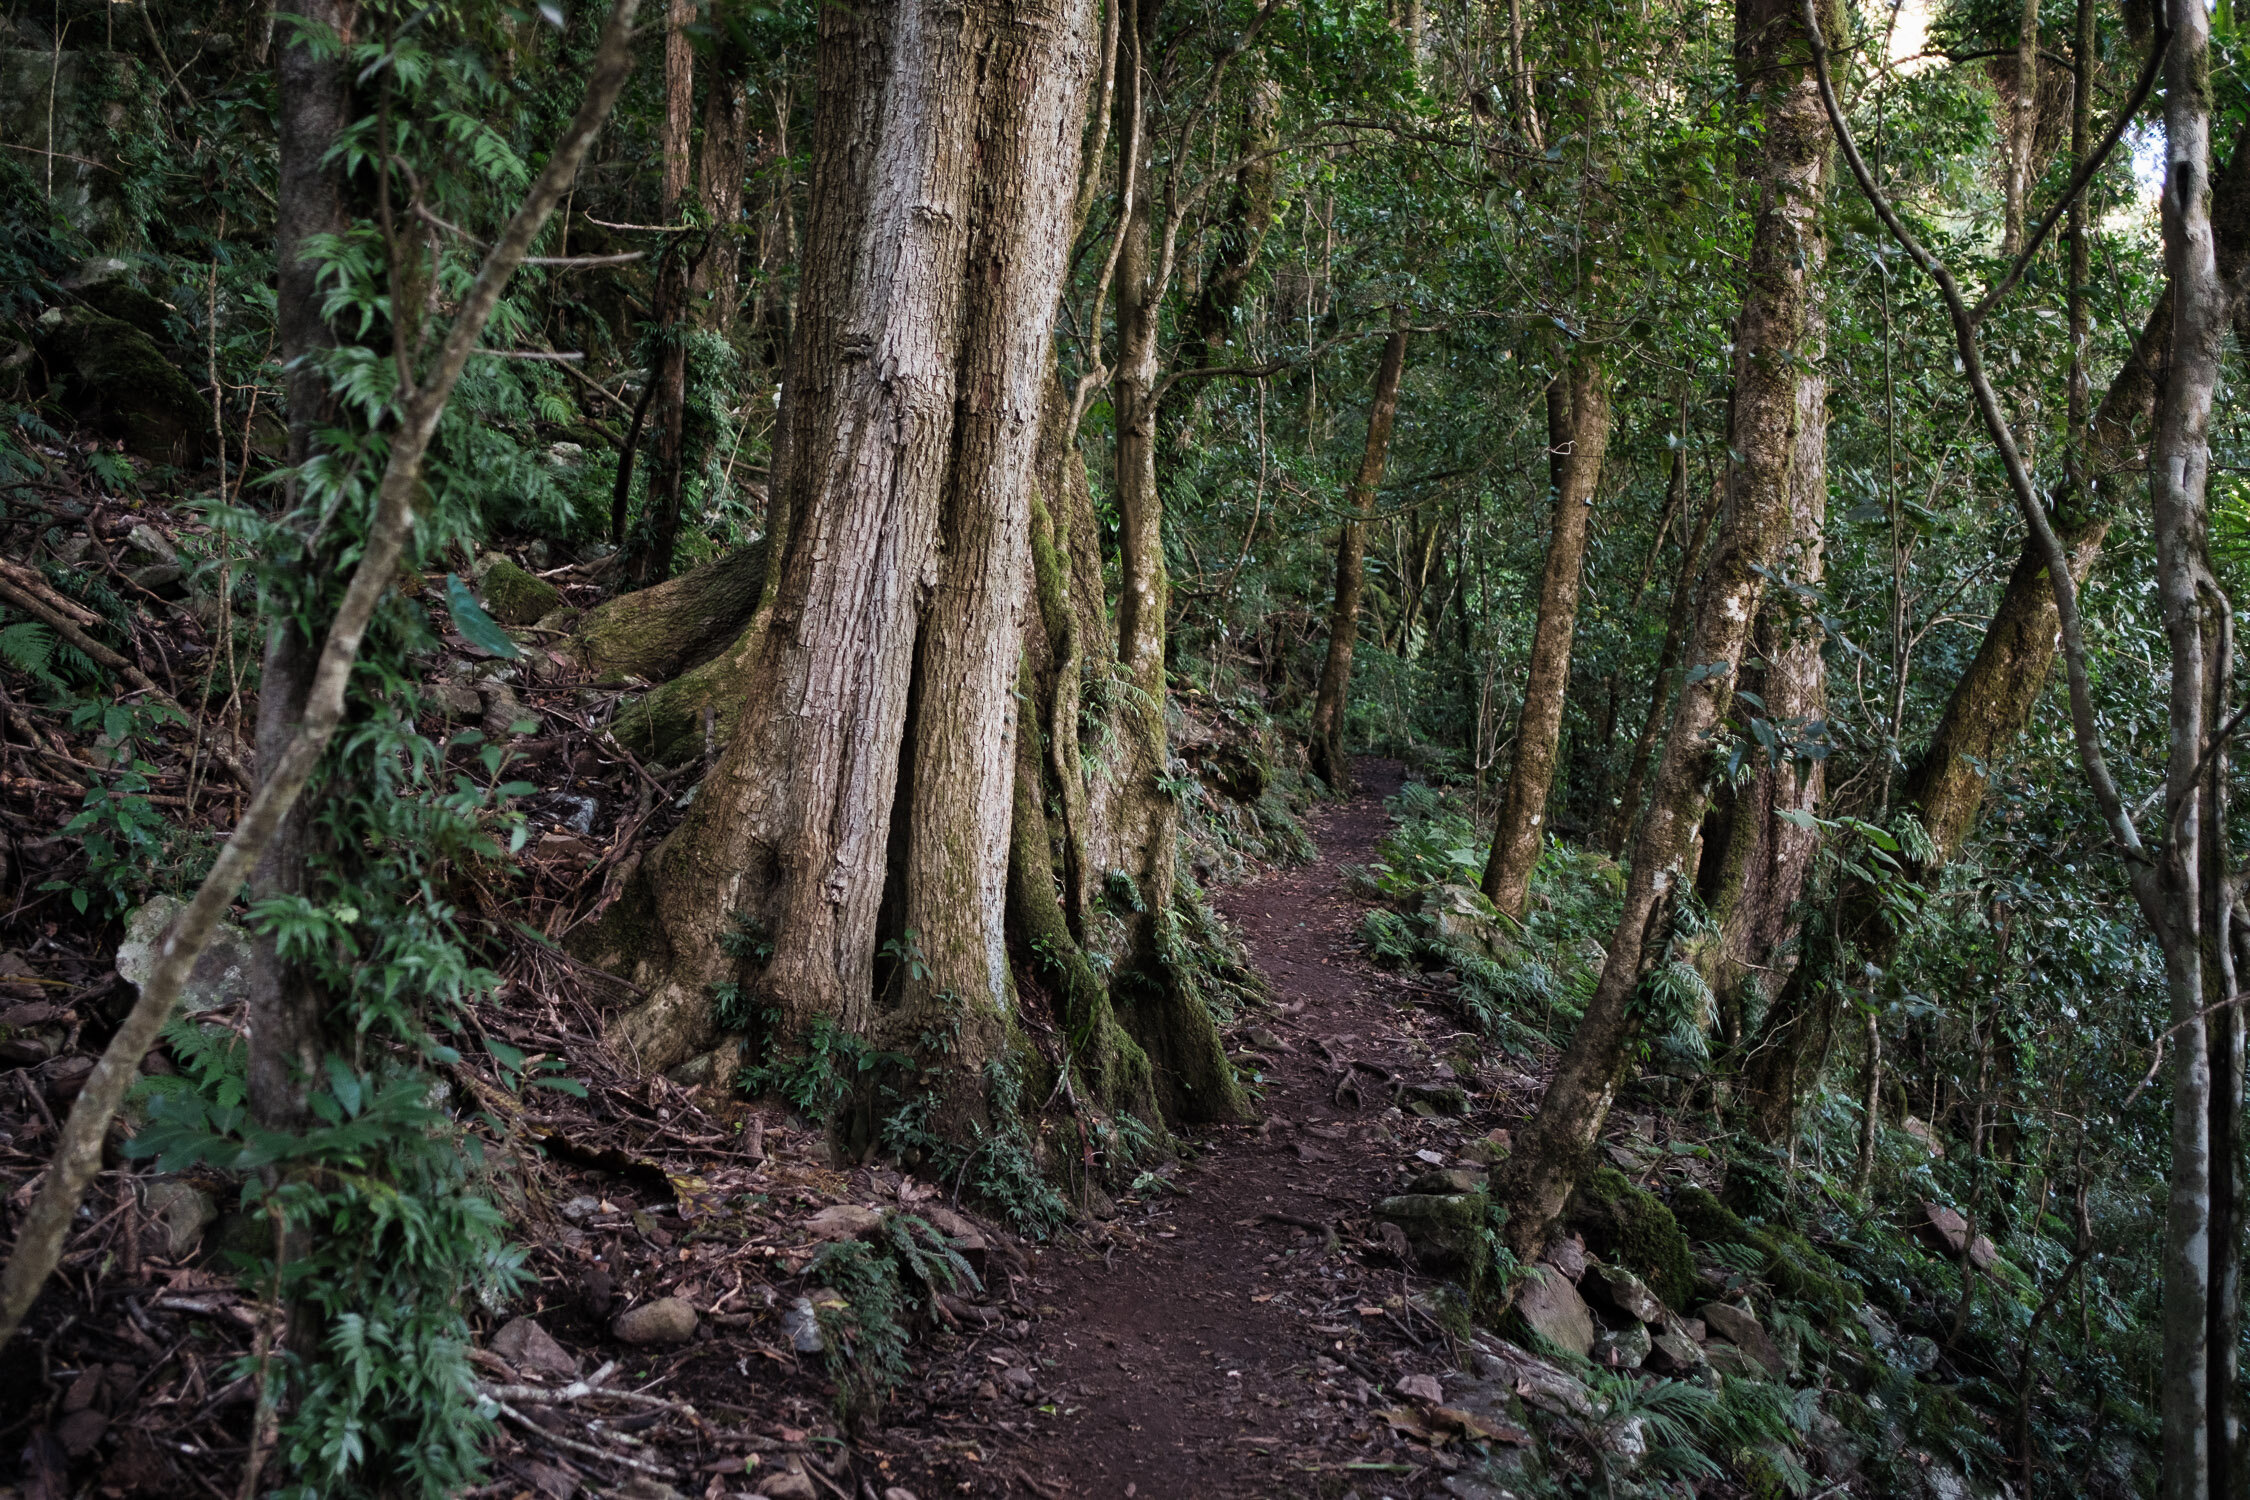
1522, 984
1902, 1366
869, 1293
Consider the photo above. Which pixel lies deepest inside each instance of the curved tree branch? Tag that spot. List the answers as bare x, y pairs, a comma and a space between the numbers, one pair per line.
78, 1154
2084, 728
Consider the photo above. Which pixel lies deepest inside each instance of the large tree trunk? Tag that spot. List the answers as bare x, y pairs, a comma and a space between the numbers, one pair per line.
963, 754
1577, 438
1760, 866
944, 162
286, 1005
1786, 169
1332, 702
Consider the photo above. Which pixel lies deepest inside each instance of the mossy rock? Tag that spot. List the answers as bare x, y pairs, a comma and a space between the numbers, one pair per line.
114, 375
1706, 1220
1800, 1273
122, 298
1765, 1475
1445, 1230
1630, 1226
515, 597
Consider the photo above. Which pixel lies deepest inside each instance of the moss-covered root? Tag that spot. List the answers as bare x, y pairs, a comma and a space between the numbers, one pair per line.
658, 633
1194, 1081
1112, 1064
667, 725
1632, 1227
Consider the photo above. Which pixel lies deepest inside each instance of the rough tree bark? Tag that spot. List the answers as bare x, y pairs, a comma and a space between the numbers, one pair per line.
719, 170
1332, 701
963, 758
945, 158
1577, 439
286, 1006
1756, 858
1785, 169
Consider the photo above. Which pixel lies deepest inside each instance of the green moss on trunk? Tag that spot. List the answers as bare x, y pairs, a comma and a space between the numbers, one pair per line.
663, 632
666, 724
1113, 1065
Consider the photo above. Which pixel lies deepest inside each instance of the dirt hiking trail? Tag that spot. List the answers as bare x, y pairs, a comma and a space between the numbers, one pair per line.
1235, 1336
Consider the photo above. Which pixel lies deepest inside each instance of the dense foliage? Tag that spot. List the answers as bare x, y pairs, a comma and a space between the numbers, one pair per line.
1519, 188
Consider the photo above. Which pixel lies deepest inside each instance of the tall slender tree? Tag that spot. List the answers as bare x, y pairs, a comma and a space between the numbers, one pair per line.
1577, 440
1332, 700
1784, 169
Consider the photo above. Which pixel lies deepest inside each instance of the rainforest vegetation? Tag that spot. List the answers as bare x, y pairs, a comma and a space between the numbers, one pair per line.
653, 652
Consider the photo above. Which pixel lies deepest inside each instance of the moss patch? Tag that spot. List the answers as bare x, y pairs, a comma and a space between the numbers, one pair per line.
516, 597
666, 724
1444, 1229
1705, 1219
1800, 1273
1755, 1189
1631, 1227
660, 632
122, 298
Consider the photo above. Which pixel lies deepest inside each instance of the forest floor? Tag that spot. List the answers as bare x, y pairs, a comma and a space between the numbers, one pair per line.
1231, 1336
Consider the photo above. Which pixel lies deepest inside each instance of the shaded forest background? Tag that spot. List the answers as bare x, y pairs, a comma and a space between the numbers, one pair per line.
970, 479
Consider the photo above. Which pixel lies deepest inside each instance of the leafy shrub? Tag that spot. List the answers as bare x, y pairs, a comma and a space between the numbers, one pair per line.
1388, 938
864, 1331
820, 1073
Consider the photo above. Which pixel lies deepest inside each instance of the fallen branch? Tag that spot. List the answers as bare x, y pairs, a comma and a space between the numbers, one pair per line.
220, 745
587, 1450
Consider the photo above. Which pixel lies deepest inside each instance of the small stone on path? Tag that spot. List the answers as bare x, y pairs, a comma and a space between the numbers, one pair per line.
1744, 1332
667, 1320
527, 1346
